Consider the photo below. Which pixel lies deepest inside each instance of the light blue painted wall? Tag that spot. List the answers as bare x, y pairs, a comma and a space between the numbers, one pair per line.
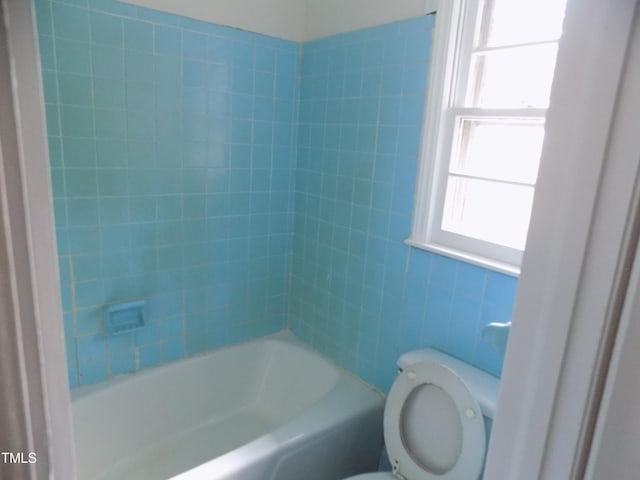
358, 293
172, 146
173, 153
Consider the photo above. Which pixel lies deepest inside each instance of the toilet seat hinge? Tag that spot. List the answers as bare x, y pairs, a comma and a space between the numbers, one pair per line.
396, 473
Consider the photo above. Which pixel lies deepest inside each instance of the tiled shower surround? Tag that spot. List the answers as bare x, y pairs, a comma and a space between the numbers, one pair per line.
172, 153
177, 150
358, 293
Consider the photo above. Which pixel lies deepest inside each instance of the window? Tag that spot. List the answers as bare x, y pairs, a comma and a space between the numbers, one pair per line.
492, 68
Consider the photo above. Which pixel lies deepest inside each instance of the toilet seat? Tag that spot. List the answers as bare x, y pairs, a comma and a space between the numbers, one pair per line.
408, 424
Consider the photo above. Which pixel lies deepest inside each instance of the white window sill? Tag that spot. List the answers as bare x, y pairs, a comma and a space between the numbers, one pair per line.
505, 268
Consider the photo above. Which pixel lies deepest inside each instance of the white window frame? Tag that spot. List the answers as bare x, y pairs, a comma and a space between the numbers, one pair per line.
456, 27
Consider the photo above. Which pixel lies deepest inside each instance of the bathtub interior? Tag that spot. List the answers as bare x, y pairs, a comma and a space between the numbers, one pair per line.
158, 423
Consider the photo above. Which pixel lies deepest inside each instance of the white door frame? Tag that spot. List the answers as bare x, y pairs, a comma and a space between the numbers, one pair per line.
571, 270
614, 451
616, 438
575, 268
35, 416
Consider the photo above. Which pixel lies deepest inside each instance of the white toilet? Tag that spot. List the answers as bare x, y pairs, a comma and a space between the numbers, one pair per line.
437, 419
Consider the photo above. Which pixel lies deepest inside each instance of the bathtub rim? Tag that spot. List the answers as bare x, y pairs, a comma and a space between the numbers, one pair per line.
285, 336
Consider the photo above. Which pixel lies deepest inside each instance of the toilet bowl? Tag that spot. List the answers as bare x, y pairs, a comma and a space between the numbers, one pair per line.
436, 419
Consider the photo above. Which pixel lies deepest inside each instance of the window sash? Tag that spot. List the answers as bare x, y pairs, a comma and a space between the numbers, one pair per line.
498, 80
483, 28
434, 231
457, 38
477, 208
474, 17
462, 149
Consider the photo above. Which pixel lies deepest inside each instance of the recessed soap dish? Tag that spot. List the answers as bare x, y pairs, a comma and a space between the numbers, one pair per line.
123, 317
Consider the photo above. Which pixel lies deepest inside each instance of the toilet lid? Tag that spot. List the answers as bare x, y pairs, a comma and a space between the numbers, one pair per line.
433, 426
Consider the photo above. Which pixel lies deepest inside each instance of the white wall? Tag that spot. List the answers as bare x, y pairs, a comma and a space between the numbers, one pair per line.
297, 20
278, 18
330, 17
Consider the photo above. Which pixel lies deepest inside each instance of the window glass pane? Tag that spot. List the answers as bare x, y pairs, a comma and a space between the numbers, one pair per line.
513, 77
490, 211
522, 21
497, 149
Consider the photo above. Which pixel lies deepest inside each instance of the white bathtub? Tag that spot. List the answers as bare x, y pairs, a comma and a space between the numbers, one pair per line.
266, 409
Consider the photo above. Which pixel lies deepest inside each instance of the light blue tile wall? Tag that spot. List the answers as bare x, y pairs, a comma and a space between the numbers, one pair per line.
172, 146
358, 293
173, 150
